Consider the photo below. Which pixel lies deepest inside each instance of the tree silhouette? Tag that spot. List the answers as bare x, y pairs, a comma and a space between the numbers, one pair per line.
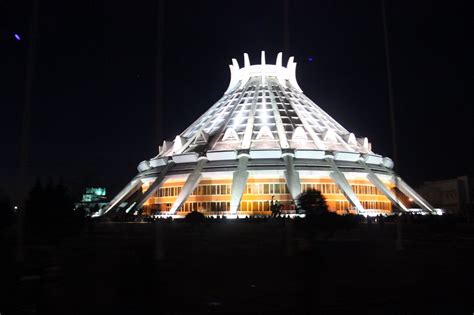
49, 212
319, 221
195, 217
313, 203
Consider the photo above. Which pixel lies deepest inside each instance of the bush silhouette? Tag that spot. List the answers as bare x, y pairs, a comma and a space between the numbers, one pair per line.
318, 218
195, 217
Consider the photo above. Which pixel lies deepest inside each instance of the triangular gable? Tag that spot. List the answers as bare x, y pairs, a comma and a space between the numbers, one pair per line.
264, 133
230, 135
201, 137
364, 143
165, 147
330, 136
351, 139
299, 134
178, 143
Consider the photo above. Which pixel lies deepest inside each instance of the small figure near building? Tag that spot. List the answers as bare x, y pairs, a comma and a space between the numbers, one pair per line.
275, 207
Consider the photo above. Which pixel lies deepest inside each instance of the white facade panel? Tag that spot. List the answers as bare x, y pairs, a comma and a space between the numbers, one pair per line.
310, 154
373, 159
221, 155
265, 154
143, 166
185, 158
346, 156
158, 162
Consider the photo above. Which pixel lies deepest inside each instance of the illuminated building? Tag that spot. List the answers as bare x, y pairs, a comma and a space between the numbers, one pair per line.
454, 195
263, 138
92, 200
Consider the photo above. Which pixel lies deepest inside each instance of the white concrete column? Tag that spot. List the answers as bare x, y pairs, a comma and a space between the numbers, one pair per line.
344, 185
154, 186
375, 180
128, 190
292, 177
411, 193
191, 183
239, 182
384, 189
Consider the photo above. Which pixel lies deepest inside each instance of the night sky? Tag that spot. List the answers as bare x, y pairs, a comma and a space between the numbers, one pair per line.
93, 115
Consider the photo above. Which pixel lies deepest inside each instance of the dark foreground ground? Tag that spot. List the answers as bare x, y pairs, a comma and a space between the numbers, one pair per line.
242, 267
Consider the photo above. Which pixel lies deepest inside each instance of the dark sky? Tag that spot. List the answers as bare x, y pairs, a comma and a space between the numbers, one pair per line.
93, 115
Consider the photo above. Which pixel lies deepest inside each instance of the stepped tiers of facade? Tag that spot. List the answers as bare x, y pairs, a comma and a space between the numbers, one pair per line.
263, 140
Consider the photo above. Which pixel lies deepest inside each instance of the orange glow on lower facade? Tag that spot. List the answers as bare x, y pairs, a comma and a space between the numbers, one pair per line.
212, 196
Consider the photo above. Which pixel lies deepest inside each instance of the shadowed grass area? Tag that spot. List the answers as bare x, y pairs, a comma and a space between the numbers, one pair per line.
237, 266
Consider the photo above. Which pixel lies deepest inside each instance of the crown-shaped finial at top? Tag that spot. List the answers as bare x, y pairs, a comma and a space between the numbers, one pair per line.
285, 75
279, 61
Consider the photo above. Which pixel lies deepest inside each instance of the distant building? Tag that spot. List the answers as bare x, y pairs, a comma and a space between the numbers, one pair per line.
93, 200
453, 195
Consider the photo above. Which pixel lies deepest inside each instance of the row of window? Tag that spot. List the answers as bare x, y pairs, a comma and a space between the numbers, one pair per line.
250, 97
376, 205
206, 190
260, 106
201, 190
205, 206
259, 99
210, 190
334, 189
266, 189
225, 206
255, 206
168, 191
262, 205
343, 205
323, 188
380, 205
366, 190
240, 129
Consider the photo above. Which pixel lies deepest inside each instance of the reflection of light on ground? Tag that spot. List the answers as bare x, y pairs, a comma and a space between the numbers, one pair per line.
423, 212
226, 216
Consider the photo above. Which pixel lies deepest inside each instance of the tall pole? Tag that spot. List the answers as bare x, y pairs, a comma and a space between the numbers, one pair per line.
391, 103
160, 53
389, 85
286, 26
25, 123
159, 102
25, 128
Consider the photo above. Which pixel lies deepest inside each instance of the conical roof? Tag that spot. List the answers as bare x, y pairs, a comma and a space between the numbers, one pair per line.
264, 108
